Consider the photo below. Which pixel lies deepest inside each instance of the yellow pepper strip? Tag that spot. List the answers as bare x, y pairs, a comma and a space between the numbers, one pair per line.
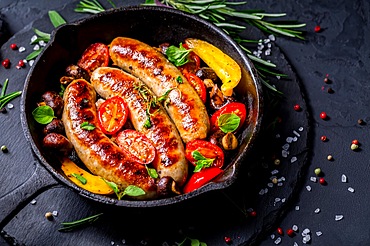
94, 184
224, 66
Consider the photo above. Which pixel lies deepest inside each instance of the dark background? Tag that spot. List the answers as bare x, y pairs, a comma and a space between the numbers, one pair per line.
339, 50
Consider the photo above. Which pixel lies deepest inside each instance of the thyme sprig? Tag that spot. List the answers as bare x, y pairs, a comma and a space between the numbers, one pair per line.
70, 226
91, 6
6, 98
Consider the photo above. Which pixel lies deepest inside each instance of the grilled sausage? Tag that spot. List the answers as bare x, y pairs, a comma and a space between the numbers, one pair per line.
57, 142
170, 155
100, 155
52, 99
186, 109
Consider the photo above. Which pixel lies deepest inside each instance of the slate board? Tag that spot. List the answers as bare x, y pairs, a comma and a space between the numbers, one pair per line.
209, 218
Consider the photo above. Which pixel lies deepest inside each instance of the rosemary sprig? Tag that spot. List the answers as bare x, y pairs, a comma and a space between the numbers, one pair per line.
6, 98
91, 6
70, 226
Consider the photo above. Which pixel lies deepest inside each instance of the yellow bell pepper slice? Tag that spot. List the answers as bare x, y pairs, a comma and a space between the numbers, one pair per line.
224, 66
94, 184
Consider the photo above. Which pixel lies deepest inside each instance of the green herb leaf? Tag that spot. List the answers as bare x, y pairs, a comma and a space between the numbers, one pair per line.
193, 242
56, 19
179, 80
202, 161
87, 126
178, 56
42, 34
152, 172
33, 54
70, 226
43, 114
113, 186
3, 90
91, 7
62, 90
80, 178
133, 190
228, 122
8, 97
164, 96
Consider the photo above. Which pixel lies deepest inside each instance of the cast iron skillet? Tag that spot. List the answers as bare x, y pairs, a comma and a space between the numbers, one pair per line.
153, 25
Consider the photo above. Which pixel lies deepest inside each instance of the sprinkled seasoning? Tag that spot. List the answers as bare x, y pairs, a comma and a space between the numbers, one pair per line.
294, 159
350, 189
280, 231
317, 29
318, 233
354, 146
297, 108
338, 217
360, 122
355, 141
13, 46
4, 149
290, 232
344, 178
330, 90
322, 181
313, 179
323, 115
317, 171
6, 63
277, 241
277, 162
21, 49
295, 228
228, 240
330, 158
33, 202
323, 138
49, 216
253, 214
296, 208
317, 210
308, 188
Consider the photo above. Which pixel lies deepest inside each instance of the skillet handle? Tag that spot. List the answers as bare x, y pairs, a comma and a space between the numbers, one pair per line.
16, 200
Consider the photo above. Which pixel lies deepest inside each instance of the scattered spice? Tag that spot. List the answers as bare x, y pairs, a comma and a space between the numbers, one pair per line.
21, 63
326, 80
330, 90
354, 146
360, 122
317, 29
13, 46
290, 233
49, 216
317, 171
338, 217
323, 138
228, 240
277, 162
355, 141
322, 181
253, 213
4, 149
297, 108
280, 231
6, 63
323, 115
330, 158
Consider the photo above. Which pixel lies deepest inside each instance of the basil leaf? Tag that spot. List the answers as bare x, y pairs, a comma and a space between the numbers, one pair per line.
178, 56
202, 162
228, 122
179, 80
194, 242
87, 126
152, 172
114, 187
43, 114
56, 19
133, 190
80, 178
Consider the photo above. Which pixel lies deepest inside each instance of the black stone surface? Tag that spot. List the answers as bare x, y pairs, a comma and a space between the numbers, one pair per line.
339, 50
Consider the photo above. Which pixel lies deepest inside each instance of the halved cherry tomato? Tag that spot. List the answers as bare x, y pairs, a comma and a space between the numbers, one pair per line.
234, 107
198, 85
136, 145
201, 178
96, 55
206, 149
112, 115
194, 65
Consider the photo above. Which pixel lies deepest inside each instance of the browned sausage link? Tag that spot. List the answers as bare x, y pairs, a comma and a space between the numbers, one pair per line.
170, 160
100, 155
52, 99
186, 109
57, 142
56, 125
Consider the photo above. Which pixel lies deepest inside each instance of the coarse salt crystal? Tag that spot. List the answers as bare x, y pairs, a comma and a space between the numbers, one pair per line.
123, 241
297, 208
281, 179
266, 40
267, 52
275, 171
36, 47
285, 146
271, 37
33, 38
289, 139
318, 233
317, 210
277, 199
300, 129
279, 184
296, 133
21, 49
10, 105
250, 210
308, 188
313, 179
42, 43
295, 139
266, 190
338, 217
295, 244
262, 192
33, 202
111, 243
270, 185
283, 200
284, 153
269, 45
55, 213
278, 240
31, 62
272, 236
277, 136
278, 76
295, 228
350, 189
305, 232
294, 159
344, 178
306, 239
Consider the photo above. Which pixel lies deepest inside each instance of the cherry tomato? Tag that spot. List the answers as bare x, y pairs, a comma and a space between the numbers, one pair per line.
96, 55
234, 107
112, 115
206, 149
194, 64
136, 145
198, 85
201, 178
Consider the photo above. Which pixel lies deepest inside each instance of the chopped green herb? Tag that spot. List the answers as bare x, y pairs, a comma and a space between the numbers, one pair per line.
228, 122
80, 178
130, 190
178, 55
179, 80
56, 19
91, 7
164, 96
62, 90
43, 114
193, 242
87, 126
70, 226
202, 162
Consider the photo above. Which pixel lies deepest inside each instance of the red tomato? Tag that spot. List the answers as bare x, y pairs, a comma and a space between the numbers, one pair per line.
194, 64
199, 179
198, 85
206, 149
96, 55
112, 115
136, 145
234, 107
